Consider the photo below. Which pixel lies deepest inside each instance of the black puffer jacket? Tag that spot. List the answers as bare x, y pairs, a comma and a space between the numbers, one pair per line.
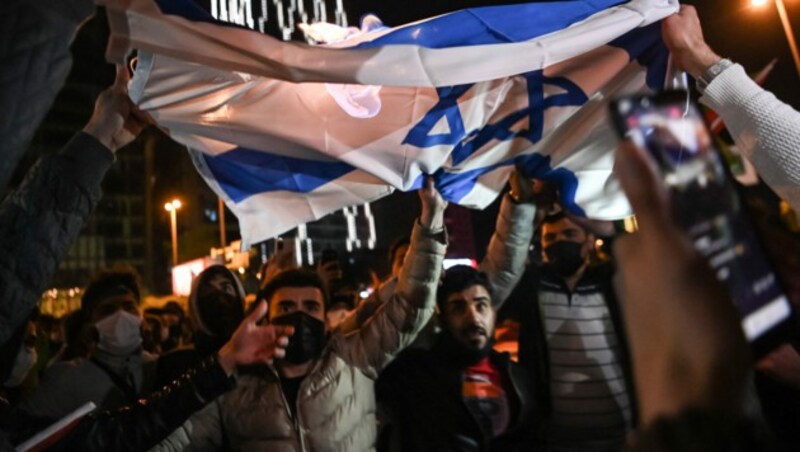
422, 408
141, 426
38, 224
34, 62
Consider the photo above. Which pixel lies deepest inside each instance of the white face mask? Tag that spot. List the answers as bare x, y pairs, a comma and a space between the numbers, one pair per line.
120, 333
26, 359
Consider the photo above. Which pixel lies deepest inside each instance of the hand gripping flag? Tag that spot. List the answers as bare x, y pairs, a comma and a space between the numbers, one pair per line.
286, 133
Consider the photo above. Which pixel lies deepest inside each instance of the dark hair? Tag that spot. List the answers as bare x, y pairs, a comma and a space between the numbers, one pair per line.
172, 307
396, 245
554, 217
110, 282
296, 277
458, 278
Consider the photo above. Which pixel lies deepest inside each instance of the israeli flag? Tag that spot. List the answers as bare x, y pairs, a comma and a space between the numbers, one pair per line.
286, 132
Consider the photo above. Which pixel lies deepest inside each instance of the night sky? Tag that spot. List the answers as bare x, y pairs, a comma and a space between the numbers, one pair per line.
753, 37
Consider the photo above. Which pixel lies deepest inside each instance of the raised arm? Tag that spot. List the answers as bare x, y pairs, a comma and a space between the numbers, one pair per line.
143, 425
508, 249
42, 218
371, 342
766, 130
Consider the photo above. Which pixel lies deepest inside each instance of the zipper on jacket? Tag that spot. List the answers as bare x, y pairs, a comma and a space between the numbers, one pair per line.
300, 388
295, 418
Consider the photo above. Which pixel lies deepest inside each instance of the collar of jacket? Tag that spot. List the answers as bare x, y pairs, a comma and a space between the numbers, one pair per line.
594, 278
119, 363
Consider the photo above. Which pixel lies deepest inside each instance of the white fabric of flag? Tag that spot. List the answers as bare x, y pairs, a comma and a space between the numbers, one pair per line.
286, 132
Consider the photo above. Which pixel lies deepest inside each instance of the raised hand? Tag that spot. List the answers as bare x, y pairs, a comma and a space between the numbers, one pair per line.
683, 36
252, 343
115, 121
686, 343
433, 205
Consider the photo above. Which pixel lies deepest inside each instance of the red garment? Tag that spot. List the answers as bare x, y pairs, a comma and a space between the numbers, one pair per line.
485, 395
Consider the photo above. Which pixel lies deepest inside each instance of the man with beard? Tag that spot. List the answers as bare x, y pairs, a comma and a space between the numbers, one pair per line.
216, 308
320, 396
572, 341
461, 394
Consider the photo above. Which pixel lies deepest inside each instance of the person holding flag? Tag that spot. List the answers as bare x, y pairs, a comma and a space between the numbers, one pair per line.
766, 130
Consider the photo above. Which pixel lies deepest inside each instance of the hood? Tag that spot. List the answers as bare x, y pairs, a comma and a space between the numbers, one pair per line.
202, 279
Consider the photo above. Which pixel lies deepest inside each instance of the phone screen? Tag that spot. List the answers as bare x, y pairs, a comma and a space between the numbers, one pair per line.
706, 202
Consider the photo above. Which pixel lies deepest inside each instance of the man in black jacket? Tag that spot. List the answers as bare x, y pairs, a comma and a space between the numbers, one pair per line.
572, 340
142, 425
460, 395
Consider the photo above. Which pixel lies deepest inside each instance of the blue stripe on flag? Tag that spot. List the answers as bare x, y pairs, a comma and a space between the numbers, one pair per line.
493, 24
242, 173
646, 46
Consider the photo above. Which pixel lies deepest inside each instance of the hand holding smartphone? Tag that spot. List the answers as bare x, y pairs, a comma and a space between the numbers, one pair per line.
707, 206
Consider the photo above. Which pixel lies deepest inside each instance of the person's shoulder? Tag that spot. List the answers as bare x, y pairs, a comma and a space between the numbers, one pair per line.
599, 274
415, 354
185, 352
66, 372
63, 367
408, 361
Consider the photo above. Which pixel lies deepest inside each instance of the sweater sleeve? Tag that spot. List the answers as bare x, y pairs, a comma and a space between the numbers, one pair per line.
41, 220
376, 339
766, 130
508, 249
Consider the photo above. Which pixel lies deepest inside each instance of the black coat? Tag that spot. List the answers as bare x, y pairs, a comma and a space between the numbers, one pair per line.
144, 424
35, 60
523, 306
421, 406
39, 222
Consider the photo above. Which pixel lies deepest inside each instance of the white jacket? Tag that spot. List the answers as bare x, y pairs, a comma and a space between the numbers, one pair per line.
766, 130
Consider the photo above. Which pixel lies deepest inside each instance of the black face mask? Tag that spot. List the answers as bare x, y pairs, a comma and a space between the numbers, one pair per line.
308, 339
221, 313
564, 257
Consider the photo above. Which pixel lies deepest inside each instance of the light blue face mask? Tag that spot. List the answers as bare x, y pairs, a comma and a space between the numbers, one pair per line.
26, 359
120, 333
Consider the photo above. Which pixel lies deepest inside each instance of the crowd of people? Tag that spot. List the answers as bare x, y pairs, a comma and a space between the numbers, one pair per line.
640, 351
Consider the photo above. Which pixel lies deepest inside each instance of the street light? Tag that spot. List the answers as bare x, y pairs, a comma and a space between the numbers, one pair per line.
787, 28
172, 207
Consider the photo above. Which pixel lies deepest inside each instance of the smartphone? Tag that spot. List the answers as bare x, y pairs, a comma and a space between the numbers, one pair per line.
708, 206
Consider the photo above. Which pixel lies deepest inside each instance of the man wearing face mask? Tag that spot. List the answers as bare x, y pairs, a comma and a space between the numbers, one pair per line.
216, 308
23, 363
572, 340
118, 371
461, 394
320, 396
